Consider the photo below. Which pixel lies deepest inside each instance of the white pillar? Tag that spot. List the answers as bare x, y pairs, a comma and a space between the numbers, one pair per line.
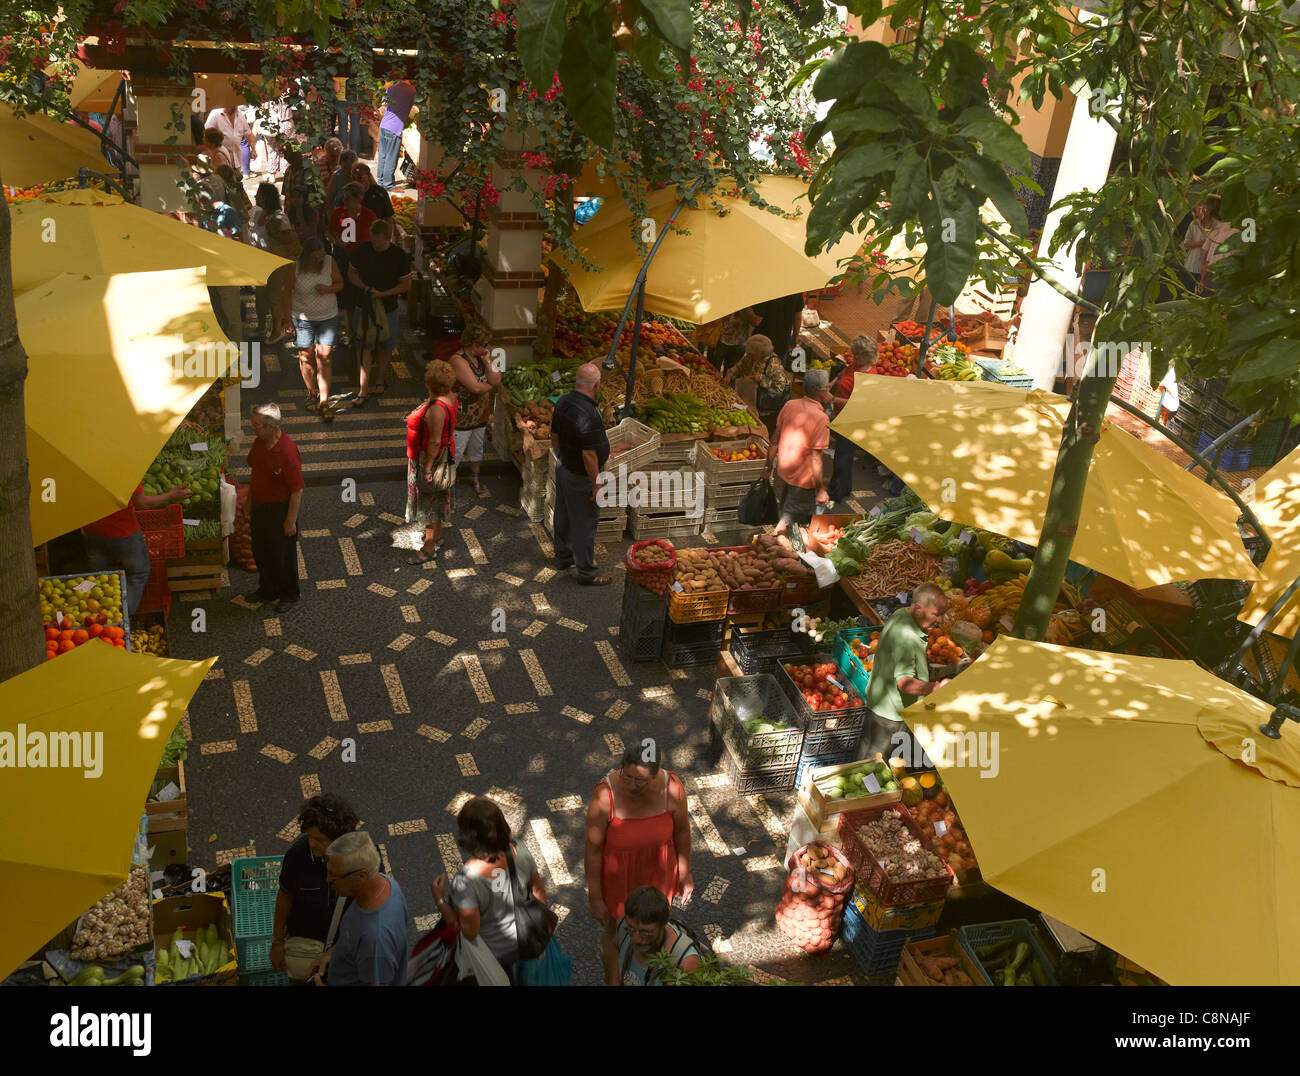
1045, 315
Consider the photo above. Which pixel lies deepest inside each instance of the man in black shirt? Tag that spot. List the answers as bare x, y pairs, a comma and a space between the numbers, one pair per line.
373, 196
381, 271
305, 904
582, 449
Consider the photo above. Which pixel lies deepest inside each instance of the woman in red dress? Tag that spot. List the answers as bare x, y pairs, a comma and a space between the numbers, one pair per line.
638, 833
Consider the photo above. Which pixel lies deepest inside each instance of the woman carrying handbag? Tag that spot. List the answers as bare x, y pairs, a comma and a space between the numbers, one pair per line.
430, 465
496, 899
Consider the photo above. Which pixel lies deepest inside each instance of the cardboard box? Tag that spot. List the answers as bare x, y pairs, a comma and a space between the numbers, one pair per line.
191, 913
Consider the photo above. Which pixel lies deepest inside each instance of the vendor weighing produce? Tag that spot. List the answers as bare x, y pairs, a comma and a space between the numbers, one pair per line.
900, 673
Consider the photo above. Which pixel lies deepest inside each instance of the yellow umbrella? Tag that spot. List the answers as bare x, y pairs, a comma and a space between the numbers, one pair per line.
1133, 798
981, 453
725, 263
38, 149
104, 389
71, 828
89, 231
1276, 502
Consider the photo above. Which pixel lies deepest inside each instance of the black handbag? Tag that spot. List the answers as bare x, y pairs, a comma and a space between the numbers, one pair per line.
534, 921
769, 402
758, 507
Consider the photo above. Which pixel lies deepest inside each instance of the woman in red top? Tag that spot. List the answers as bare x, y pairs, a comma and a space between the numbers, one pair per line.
638, 833
116, 541
430, 428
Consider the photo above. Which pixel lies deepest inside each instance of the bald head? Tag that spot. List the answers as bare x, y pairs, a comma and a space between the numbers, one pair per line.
588, 379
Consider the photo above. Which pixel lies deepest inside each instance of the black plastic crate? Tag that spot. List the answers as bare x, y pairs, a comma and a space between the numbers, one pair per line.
824, 744
850, 720
686, 645
808, 762
758, 651
737, 699
753, 784
641, 623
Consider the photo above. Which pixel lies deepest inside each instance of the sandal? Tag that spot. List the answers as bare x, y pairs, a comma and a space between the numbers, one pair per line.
311, 403
378, 390
326, 411
421, 557
360, 401
482, 491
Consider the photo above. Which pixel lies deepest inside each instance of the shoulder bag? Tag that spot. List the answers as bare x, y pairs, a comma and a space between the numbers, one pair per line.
534, 921
444, 466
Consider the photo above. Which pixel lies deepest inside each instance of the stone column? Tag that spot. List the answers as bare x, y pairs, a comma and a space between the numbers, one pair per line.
154, 96
506, 296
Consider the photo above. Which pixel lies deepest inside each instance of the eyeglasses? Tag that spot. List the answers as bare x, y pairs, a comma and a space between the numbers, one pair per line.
637, 781
332, 878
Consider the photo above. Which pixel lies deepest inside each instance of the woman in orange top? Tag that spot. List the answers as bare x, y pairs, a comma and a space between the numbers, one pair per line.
638, 833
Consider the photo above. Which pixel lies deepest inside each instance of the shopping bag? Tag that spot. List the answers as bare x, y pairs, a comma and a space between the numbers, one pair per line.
433, 960
553, 968
476, 961
758, 506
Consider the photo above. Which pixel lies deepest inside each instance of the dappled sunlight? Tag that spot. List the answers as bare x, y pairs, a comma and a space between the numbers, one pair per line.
1276, 502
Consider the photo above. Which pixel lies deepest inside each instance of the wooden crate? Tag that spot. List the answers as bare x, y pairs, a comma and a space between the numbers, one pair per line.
820, 808
910, 972
200, 568
171, 815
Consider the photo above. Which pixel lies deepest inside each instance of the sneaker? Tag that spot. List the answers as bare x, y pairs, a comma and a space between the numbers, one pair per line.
562, 565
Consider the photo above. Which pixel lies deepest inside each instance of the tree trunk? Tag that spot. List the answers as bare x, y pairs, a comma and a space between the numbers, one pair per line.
1064, 505
544, 344
20, 607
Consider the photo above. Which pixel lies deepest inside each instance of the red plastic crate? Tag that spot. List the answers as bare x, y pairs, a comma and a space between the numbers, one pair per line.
157, 597
871, 874
164, 531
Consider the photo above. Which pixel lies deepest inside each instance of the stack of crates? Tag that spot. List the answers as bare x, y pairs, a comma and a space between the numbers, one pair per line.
254, 884
875, 933
688, 645
641, 623
761, 761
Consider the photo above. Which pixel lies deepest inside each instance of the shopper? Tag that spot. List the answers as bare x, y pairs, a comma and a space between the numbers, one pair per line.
306, 906
234, 131
348, 111
380, 272
1193, 244
430, 430
273, 232
802, 434
116, 541
900, 673
638, 833
736, 329
760, 380
341, 178
373, 196
863, 353
476, 380
349, 224
483, 894
1217, 233
400, 96
302, 202
275, 489
371, 946
309, 294
578, 434
643, 932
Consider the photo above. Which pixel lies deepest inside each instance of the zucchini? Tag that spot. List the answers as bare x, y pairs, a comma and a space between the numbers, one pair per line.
1039, 975
1024, 979
993, 950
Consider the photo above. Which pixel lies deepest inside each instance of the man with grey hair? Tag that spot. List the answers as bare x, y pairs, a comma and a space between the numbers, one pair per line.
582, 448
802, 434
275, 492
371, 946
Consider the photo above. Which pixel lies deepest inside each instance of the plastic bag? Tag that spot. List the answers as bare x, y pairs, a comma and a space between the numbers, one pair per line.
229, 501
758, 507
553, 968
475, 959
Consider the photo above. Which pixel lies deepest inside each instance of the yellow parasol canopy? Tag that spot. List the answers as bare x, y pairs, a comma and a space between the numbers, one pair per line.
39, 149
71, 829
1276, 502
1134, 799
982, 453
104, 389
87, 231
725, 264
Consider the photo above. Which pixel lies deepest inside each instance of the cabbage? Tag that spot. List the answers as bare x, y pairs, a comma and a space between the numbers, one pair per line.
924, 519
954, 547
932, 543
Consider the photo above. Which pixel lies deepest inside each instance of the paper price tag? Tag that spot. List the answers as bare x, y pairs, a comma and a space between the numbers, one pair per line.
739, 406
872, 785
556, 376
940, 827
85, 586
678, 587
968, 537
199, 446
1007, 623
186, 948
168, 792
838, 685
874, 512
190, 522
901, 595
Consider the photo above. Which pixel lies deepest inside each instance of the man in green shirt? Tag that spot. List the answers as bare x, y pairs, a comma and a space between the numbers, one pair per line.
900, 673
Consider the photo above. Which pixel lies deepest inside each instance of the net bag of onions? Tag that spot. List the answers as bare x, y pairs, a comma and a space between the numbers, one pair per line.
651, 564
812, 902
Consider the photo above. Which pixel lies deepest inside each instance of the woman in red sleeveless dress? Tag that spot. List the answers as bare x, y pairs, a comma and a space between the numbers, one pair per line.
638, 833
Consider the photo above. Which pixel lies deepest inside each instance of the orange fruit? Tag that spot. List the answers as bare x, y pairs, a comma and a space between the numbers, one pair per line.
51, 655
120, 643
80, 636
96, 630
51, 634
66, 645
65, 636
114, 632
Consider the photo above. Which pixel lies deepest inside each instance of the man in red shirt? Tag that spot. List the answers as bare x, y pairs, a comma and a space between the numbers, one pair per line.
802, 434
116, 541
275, 489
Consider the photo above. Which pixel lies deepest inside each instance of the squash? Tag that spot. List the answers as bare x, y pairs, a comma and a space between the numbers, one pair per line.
913, 794
926, 781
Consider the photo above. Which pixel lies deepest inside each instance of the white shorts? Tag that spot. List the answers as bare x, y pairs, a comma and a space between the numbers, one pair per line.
469, 445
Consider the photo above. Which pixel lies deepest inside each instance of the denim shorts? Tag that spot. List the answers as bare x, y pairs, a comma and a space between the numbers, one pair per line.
315, 332
393, 315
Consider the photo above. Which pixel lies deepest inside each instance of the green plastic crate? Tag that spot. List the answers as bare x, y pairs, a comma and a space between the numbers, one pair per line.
265, 978
253, 954
971, 938
254, 885
852, 667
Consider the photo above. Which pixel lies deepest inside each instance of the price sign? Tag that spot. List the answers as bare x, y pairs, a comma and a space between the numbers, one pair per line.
940, 827
190, 522
85, 586
871, 783
739, 407
838, 685
916, 534
678, 587
168, 792
556, 376
874, 512
901, 596
1007, 623
199, 446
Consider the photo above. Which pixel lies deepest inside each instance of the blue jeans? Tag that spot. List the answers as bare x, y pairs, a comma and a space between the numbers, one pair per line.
245, 153
390, 146
349, 124
130, 554
841, 484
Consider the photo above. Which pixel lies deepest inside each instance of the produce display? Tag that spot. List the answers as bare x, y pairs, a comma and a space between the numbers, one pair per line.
203, 531
952, 843
952, 362
697, 571
750, 452
914, 330
79, 609
812, 901
756, 726
678, 412
651, 555
529, 382
944, 970
208, 413
941, 650
208, 953
823, 630
893, 567
535, 418
769, 562
93, 975
118, 923
895, 360
198, 469
1012, 963
899, 851
852, 783
865, 652
823, 687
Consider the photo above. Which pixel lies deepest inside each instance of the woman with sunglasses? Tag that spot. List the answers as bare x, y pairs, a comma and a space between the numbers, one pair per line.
638, 833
